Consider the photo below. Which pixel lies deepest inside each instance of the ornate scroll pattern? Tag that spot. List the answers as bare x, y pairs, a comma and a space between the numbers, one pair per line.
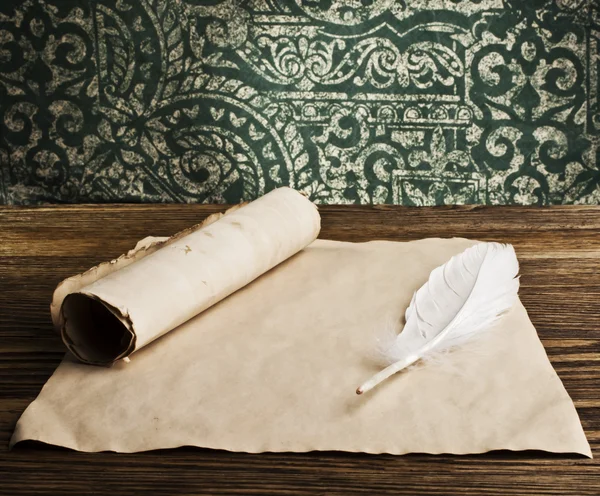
374, 63
418, 102
47, 81
531, 109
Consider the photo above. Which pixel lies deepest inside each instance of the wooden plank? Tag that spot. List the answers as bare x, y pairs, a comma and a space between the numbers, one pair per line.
559, 249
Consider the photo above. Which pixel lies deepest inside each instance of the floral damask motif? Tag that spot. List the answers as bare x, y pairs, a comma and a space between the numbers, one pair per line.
366, 101
187, 134
374, 62
531, 105
46, 80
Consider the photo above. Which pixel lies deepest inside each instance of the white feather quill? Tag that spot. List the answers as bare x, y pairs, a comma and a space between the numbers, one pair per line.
462, 298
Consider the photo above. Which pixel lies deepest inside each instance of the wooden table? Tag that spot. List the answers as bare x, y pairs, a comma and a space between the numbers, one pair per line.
559, 249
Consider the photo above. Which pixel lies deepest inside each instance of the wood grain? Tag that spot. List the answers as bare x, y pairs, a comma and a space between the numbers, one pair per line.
559, 249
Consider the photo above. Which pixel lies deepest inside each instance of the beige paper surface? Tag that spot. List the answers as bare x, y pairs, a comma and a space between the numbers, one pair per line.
274, 367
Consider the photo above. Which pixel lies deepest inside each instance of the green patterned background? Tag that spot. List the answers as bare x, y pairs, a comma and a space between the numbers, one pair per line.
415, 102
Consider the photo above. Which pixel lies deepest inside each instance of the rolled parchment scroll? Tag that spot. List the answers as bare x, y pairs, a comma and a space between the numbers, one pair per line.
116, 308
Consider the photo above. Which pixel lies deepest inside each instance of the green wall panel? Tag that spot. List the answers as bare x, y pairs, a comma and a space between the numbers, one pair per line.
414, 102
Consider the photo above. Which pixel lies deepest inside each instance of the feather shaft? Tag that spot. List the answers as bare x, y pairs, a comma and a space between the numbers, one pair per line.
396, 367
387, 372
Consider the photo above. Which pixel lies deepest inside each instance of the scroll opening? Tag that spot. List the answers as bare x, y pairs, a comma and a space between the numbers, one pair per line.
92, 330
